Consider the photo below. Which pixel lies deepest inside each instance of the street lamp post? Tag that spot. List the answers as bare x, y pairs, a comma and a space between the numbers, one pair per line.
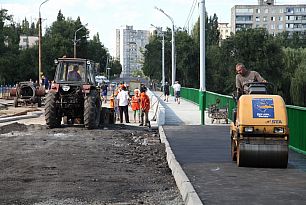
163, 53
108, 69
173, 45
39, 42
75, 41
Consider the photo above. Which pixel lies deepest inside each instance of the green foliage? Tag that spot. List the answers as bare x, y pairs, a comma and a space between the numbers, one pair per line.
257, 50
20, 65
116, 67
186, 66
137, 73
297, 40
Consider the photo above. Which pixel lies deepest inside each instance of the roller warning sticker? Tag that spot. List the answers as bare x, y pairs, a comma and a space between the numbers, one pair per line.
263, 108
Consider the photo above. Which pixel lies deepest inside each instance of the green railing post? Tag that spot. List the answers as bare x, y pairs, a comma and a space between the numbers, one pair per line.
202, 105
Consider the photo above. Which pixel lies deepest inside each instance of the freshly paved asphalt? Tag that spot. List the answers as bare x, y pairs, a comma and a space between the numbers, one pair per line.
204, 154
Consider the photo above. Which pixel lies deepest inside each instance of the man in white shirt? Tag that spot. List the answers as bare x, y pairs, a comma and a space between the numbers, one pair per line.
124, 99
177, 90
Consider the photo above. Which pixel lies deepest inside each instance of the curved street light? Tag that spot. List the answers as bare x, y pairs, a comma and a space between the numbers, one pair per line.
159, 30
39, 42
76, 40
173, 44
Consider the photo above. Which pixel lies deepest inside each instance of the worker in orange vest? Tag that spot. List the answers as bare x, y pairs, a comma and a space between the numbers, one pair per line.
144, 108
135, 104
112, 102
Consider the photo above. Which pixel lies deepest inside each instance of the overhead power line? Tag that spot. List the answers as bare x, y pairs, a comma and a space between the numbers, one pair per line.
190, 14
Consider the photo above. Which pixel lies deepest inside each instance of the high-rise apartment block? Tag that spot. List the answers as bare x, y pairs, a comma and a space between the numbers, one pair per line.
129, 47
275, 18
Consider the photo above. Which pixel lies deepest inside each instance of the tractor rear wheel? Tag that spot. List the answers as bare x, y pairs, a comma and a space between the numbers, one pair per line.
53, 119
92, 107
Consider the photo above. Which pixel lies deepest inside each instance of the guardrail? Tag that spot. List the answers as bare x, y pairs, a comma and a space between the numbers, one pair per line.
296, 115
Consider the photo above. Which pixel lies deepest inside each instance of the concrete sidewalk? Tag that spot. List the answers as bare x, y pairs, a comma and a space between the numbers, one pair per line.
185, 113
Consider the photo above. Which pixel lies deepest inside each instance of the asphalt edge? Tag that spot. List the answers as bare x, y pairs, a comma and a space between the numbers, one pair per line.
189, 195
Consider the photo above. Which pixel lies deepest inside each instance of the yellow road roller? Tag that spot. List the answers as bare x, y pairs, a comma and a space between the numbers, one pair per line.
259, 130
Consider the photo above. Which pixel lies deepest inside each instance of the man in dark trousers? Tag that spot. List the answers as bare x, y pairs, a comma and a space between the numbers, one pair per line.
166, 91
124, 100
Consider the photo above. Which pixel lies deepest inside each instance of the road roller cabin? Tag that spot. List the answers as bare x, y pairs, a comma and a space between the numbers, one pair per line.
259, 131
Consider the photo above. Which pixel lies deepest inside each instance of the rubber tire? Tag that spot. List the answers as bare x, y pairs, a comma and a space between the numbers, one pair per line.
92, 106
53, 119
15, 102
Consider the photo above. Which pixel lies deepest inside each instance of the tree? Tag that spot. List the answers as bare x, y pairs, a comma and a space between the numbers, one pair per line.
257, 50
187, 66
97, 52
9, 48
298, 85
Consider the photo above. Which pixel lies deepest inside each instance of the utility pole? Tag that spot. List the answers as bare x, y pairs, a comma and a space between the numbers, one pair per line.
75, 41
173, 45
39, 42
202, 89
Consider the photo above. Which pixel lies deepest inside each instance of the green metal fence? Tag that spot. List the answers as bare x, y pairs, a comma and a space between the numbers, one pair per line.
190, 94
297, 125
225, 101
296, 115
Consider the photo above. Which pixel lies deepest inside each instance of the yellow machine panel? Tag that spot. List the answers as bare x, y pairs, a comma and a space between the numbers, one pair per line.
261, 110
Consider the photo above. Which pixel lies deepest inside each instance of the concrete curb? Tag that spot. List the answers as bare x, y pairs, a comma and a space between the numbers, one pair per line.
187, 191
21, 117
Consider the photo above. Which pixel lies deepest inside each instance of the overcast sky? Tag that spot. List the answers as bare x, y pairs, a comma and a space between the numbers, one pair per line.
105, 16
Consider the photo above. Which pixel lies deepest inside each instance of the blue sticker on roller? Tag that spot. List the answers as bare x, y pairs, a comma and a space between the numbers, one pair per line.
263, 108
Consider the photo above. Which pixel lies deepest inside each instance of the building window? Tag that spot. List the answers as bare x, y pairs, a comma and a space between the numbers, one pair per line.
257, 18
280, 26
244, 18
264, 18
272, 18
244, 10
266, 11
290, 18
281, 10
272, 26
290, 10
289, 25
257, 11
298, 10
280, 18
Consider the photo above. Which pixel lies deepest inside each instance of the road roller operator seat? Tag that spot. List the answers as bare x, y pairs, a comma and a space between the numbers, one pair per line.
252, 88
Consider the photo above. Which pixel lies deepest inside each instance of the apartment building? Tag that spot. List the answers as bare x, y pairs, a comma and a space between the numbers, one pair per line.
275, 18
28, 41
130, 44
224, 29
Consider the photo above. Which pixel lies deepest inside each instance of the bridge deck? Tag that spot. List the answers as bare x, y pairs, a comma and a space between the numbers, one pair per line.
204, 154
